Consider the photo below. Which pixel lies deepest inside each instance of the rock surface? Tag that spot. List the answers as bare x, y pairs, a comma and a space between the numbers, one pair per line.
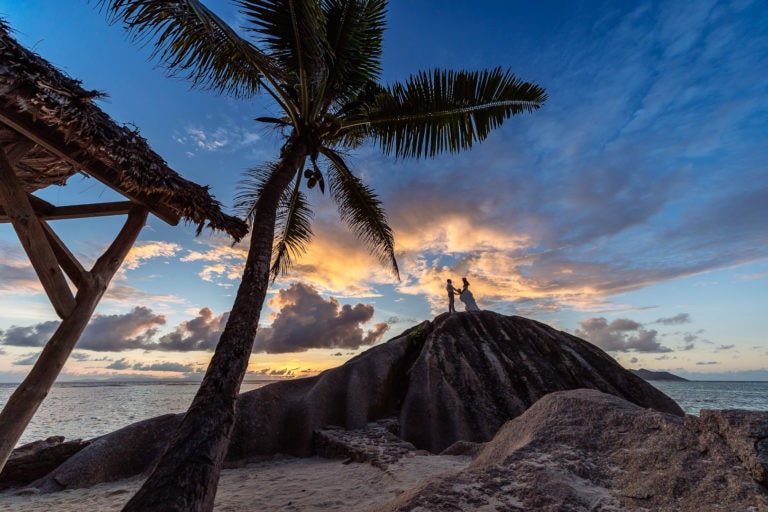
138, 448
584, 450
377, 443
746, 433
35, 460
478, 370
457, 378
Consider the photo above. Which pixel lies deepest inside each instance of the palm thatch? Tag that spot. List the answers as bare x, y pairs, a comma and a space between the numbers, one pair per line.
56, 130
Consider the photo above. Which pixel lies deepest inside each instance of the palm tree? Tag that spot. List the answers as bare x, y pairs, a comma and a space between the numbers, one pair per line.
319, 60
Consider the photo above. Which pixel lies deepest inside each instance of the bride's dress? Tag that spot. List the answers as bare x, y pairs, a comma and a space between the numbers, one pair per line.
469, 300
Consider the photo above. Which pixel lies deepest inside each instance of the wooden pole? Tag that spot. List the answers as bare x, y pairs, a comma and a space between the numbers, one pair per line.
25, 400
32, 237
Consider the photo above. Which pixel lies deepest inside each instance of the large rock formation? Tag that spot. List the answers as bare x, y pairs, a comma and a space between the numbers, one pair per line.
459, 377
479, 370
583, 450
35, 460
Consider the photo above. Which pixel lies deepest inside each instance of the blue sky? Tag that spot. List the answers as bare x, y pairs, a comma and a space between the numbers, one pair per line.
631, 210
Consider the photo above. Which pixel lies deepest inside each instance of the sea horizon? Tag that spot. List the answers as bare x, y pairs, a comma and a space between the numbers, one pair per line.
260, 380
91, 408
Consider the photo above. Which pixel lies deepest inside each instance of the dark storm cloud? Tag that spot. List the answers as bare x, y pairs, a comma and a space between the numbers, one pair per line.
307, 321
620, 335
114, 333
30, 336
680, 318
200, 333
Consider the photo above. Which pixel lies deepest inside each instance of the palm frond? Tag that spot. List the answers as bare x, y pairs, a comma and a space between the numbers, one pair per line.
251, 187
352, 116
192, 42
447, 111
293, 224
293, 230
294, 31
361, 210
355, 32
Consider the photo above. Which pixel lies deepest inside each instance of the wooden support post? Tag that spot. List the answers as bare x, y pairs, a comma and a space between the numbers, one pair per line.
32, 236
66, 259
25, 400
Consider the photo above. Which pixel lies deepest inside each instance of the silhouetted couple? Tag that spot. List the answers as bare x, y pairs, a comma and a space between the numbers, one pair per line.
464, 294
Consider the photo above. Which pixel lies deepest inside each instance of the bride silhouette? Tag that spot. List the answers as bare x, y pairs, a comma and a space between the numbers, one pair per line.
466, 297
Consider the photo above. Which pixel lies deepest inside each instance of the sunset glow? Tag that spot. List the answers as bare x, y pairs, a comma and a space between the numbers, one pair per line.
630, 210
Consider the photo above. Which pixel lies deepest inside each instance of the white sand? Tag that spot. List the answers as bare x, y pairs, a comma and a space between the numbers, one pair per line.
312, 484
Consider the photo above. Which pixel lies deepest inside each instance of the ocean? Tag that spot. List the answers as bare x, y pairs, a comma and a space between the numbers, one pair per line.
693, 396
83, 410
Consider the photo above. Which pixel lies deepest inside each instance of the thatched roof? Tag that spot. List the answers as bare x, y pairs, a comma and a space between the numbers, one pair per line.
69, 134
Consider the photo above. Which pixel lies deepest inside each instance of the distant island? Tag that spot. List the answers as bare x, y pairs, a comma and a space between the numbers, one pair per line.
652, 375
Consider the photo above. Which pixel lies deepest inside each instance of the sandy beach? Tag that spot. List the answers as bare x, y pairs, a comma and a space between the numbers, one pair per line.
309, 484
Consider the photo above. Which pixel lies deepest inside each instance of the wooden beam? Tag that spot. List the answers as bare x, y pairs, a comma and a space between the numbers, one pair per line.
32, 237
23, 403
18, 150
68, 262
41, 206
55, 143
78, 211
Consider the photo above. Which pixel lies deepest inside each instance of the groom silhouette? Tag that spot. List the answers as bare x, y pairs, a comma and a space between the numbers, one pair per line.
451, 293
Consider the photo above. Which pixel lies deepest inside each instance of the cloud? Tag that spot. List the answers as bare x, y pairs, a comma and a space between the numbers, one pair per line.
30, 336
222, 262
228, 138
620, 335
305, 320
120, 364
165, 367
707, 363
200, 333
128, 295
114, 333
278, 373
680, 318
27, 360
18, 277
147, 250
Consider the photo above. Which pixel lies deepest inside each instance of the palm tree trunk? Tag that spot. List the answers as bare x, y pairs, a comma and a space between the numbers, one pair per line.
25, 400
187, 475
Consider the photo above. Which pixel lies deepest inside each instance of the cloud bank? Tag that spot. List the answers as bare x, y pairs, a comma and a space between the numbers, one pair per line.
304, 320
